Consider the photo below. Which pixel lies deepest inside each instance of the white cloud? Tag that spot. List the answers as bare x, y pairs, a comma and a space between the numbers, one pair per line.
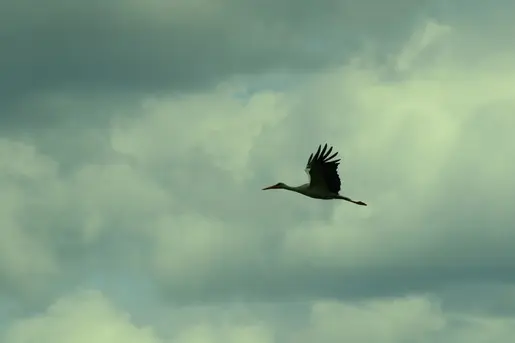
87, 316
399, 320
80, 318
215, 123
205, 333
21, 167
409, 319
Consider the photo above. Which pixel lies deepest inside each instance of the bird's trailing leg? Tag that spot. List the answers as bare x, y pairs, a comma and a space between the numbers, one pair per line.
353, 201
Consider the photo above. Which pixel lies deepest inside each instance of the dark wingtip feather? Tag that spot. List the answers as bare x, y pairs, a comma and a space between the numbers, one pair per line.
328, 153
332, 156
325, 149
318, 152
323, 154
310, 159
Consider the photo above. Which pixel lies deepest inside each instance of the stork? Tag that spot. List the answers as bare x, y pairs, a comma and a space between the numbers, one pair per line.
324, 180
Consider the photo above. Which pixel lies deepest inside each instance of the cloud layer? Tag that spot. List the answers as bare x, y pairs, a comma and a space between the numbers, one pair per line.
88, 315
133, 151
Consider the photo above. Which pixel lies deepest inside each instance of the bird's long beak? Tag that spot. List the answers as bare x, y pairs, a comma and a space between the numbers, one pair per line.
270, 187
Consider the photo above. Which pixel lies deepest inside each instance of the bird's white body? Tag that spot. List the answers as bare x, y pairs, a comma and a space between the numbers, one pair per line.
324, 180
314, 192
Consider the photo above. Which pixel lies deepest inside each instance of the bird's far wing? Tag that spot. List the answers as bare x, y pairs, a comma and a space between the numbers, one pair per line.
322, 169
312, 169
308, 166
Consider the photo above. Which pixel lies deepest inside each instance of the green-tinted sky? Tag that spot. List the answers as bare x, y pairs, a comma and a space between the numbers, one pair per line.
135, 138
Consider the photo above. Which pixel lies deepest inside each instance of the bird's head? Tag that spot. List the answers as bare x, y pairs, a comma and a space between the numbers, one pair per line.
279, 185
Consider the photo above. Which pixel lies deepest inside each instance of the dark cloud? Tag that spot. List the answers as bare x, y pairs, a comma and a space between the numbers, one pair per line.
151, 47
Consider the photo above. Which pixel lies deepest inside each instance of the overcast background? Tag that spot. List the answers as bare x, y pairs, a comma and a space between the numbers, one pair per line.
136, 136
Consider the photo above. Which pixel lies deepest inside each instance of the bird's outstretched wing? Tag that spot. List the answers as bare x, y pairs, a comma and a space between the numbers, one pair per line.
323, 170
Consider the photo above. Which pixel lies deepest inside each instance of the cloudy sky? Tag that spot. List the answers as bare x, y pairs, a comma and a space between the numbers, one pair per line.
136, 136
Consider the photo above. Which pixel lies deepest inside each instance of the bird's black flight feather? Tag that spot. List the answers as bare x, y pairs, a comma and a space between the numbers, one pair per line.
322, 162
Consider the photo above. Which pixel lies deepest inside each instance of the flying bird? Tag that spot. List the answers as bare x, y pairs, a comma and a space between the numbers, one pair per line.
324, 182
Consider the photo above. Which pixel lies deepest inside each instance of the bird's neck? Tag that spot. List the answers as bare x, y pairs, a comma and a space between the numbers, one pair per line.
294, 188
